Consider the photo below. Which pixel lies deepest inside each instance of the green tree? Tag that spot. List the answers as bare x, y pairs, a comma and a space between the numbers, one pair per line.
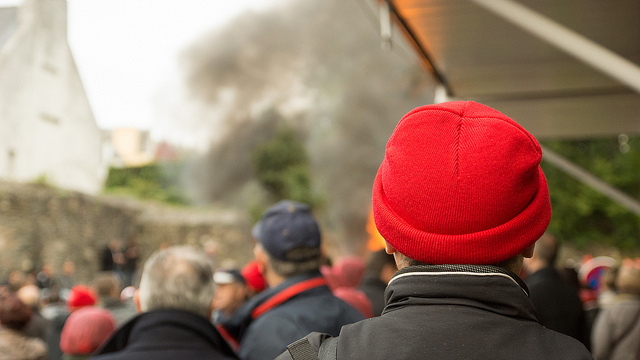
581, 214
282, 167
160, 182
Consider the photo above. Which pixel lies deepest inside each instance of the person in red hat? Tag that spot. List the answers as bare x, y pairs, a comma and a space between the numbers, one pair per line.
254, 279
84, 331
81, 296
460, 200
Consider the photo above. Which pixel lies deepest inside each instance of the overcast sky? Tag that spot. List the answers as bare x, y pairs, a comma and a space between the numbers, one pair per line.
126, 50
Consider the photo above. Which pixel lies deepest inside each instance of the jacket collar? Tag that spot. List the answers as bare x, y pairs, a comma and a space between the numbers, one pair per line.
147, 326
482, 286
237, 324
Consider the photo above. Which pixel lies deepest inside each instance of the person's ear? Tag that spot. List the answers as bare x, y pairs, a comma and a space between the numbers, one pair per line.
389, 248
528, 252
136, 301
261, 258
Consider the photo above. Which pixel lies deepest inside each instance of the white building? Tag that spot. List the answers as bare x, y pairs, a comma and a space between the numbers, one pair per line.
47, 129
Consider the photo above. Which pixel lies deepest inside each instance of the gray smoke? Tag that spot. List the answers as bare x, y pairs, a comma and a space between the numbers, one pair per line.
319, 66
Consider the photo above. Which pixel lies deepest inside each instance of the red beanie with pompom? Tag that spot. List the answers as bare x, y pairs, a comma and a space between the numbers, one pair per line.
460, 183
80, 296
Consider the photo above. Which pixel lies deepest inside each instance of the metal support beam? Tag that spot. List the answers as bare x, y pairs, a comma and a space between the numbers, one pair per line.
590, 180
385, 25
567, 40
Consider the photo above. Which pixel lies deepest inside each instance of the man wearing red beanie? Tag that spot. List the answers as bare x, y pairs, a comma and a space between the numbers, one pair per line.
460, 200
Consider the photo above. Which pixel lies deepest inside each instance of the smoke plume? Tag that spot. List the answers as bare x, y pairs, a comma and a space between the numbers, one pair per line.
319, 66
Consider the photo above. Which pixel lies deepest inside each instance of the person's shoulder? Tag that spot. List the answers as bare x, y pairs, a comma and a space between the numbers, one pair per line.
561, 346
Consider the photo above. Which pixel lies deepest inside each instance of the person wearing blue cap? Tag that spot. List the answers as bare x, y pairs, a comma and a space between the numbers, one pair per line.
298, 301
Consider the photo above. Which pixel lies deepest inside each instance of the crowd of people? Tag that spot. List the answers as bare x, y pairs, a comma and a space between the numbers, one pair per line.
467, 271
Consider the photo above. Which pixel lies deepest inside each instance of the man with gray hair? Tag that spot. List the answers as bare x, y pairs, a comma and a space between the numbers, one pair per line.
175, 302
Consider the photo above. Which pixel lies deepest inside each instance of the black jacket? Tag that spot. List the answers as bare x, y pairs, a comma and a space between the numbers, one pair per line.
164, 335
454, 312
279, 316
558, 306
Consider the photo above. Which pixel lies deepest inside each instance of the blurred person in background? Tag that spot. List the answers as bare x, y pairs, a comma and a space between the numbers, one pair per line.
54, 310
616, 331
45, 277
557, 303
343, 279
37, 325
85, 331
253, 278
108, 289
175, 303
230, 294
380, 268
130, 266
298, 301
14, 344
67, 279
112, 257
608, 290
81, 296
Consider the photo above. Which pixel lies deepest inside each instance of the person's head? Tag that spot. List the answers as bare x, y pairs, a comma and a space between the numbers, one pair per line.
14, 314
107, 285
178, 277
68, 268
85, 330
628, 281
345, 273
80, 296
460, 183
30, 295
231, 290
288, 240
115, 244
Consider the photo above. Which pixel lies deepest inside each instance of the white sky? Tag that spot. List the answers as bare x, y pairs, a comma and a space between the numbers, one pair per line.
126, 50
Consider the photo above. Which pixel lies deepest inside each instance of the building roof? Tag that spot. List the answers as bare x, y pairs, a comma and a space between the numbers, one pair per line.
481, 51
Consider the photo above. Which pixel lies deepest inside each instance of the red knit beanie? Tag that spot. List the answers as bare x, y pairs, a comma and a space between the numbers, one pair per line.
460, 183
80, 296
253, 277
85, 330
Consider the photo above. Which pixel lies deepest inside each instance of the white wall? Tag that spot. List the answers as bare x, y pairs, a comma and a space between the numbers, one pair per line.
46, 124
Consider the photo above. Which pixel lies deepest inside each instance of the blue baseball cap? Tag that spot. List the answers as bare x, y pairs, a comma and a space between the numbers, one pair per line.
285, 226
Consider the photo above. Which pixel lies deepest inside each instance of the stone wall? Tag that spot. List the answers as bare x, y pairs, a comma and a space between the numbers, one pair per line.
41, 225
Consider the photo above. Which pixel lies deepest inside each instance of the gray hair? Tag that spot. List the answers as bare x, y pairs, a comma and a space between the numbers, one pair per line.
177, 278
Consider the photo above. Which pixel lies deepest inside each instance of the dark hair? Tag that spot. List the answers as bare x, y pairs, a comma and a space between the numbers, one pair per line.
14, 314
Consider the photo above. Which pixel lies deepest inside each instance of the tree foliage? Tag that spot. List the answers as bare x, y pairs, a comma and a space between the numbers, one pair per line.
160, 182
282, 167
582, 215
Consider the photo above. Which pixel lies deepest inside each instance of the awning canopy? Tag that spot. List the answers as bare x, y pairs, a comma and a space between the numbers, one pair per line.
567, 69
